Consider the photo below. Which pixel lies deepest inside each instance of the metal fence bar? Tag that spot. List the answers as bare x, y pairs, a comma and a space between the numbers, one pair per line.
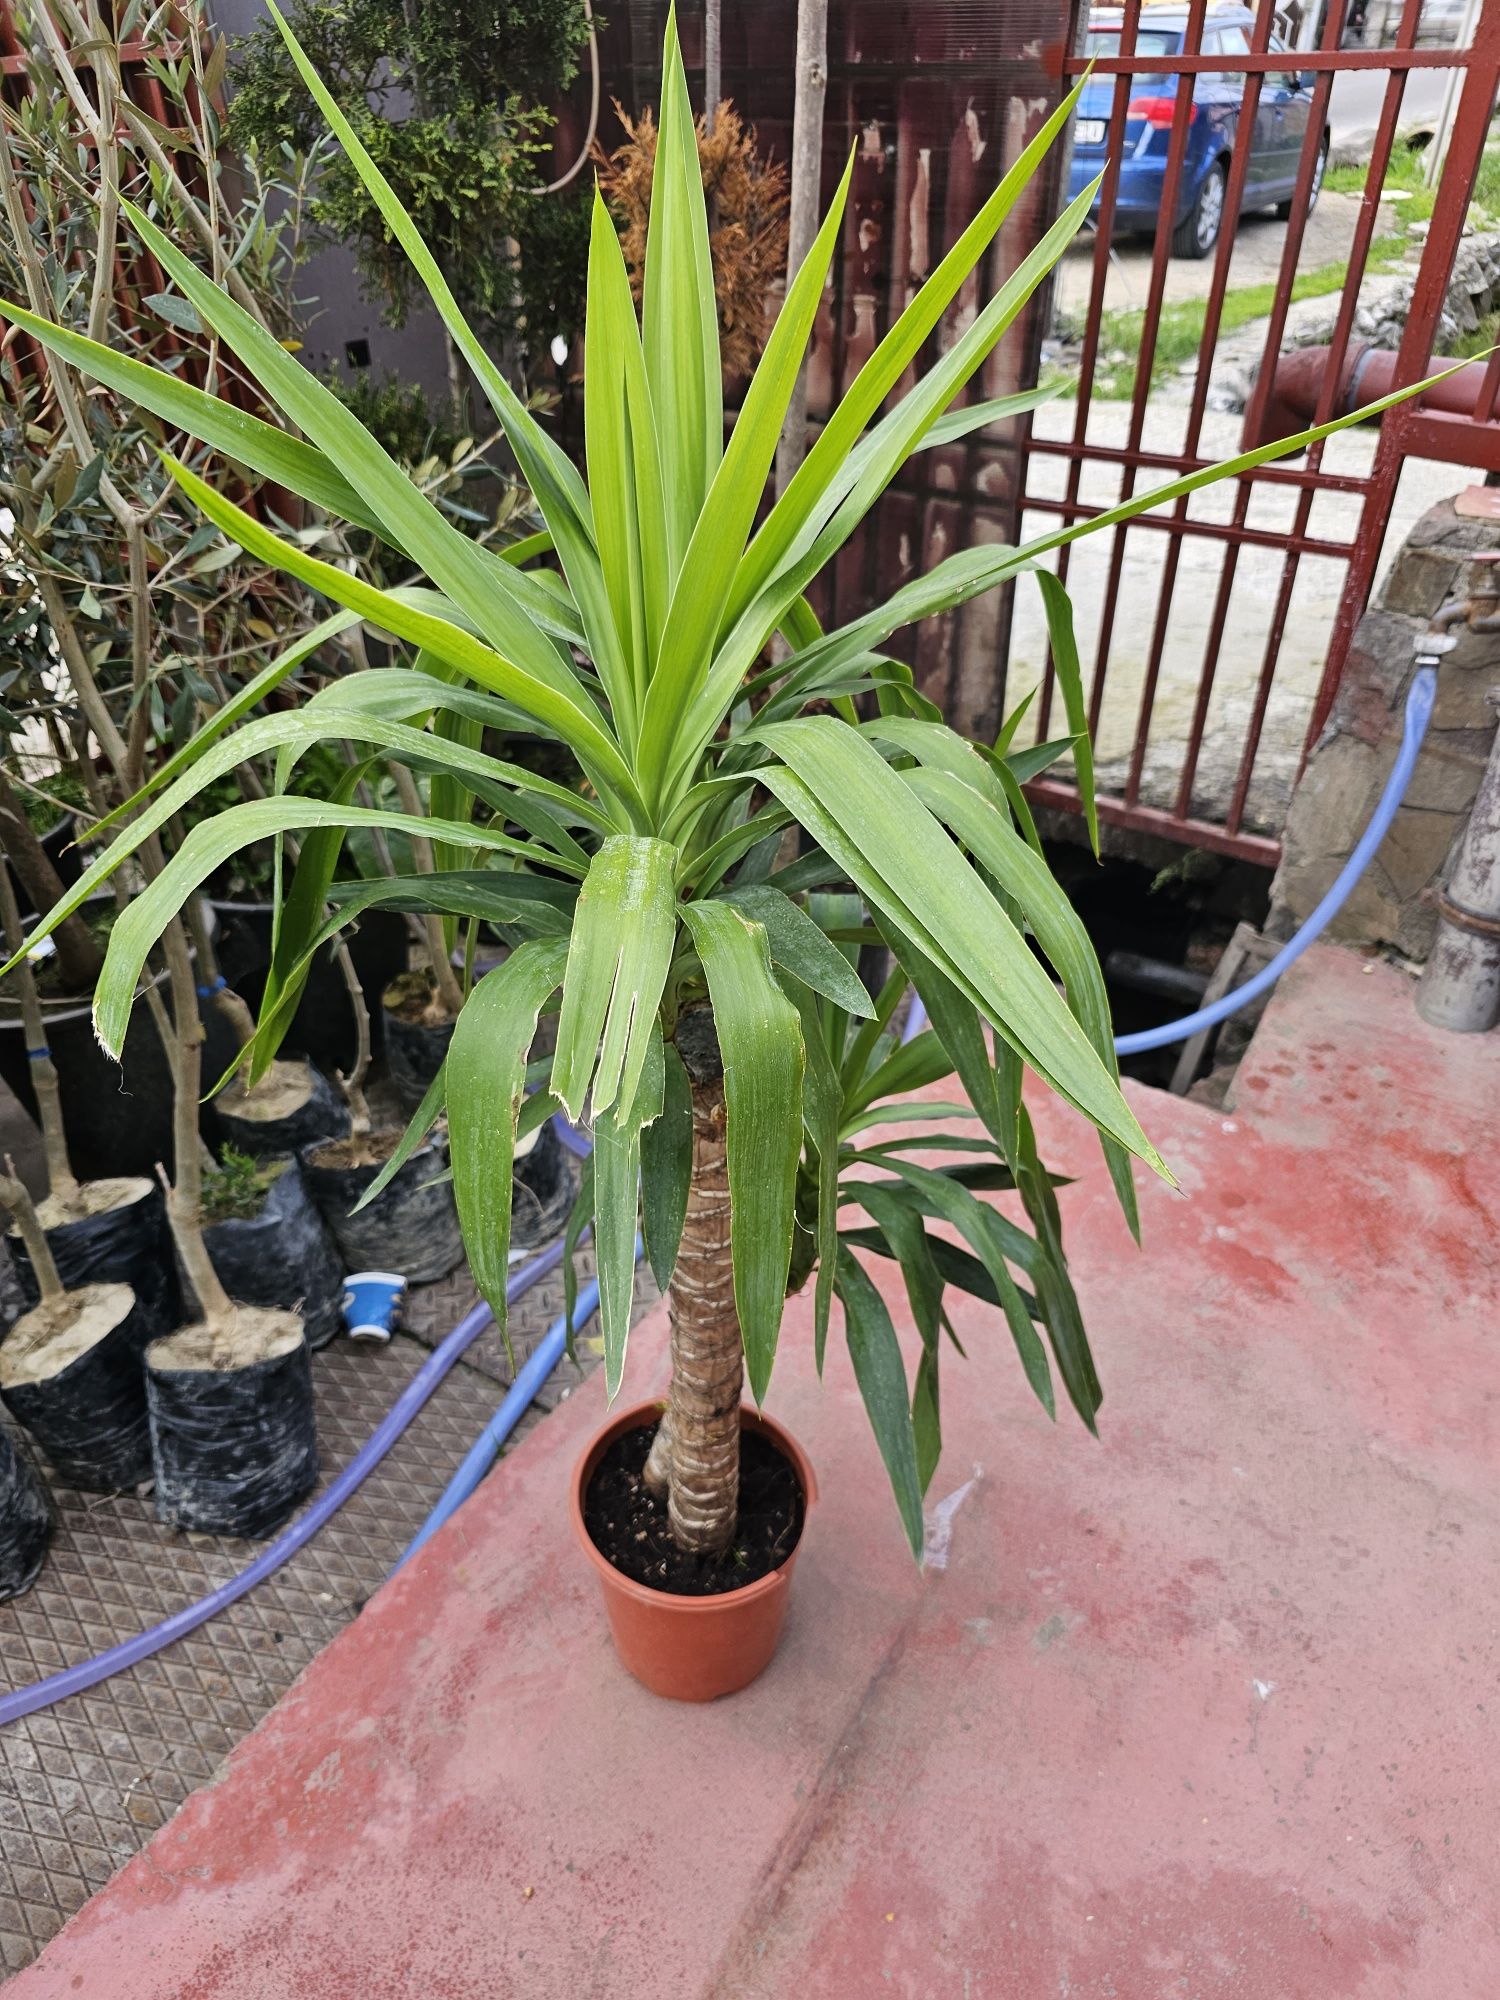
1406, 431
1456, 436
1088, 359
1234, 193
1275, 330
1182, 112
1338, 346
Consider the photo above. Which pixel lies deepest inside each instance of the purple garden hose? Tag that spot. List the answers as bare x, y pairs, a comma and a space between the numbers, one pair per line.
88, 1673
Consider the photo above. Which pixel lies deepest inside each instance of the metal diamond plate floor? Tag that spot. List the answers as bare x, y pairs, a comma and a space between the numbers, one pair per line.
84, 1784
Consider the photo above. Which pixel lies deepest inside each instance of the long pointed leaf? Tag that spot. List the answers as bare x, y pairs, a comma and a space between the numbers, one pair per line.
623, 932
486, 1081
680, 321
854, 799
878, 1369
617, 1161
570, 713
206, 848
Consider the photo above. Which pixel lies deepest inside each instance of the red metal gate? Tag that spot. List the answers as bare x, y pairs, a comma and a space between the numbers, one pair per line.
1412, 431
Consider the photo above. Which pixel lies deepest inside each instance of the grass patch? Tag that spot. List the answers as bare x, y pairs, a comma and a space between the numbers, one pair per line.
1405, 175
1179, 327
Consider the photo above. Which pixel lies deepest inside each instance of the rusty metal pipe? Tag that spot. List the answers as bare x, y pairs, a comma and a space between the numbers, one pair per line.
1367, 374
1460, 988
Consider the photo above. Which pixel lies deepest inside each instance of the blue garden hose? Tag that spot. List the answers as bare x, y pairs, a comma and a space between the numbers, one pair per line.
88, 1673
1419, 703
486, 1447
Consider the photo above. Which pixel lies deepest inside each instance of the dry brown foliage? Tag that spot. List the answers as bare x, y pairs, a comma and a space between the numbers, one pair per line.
747, 198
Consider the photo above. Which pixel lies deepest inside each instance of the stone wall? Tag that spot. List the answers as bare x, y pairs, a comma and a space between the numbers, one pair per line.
1385, 298
1392, 904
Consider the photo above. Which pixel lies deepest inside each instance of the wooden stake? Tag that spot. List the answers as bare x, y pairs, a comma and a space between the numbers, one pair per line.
802, 215
60, 1180
14, 1197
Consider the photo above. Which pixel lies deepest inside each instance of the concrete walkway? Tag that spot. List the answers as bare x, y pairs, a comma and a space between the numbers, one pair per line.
1202, 1710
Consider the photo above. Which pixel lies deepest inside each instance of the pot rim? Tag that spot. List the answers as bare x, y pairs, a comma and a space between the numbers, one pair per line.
433, 1143
60, 1008
635, 1418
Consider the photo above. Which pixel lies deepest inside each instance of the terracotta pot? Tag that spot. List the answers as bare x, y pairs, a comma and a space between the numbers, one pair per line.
692, 1648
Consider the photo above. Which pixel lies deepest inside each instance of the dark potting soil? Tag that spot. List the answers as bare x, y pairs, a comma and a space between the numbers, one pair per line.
628, 1524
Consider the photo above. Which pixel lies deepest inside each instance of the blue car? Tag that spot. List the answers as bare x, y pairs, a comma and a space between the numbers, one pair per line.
1281, 120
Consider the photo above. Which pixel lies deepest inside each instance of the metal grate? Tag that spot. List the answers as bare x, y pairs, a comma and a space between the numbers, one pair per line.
1249, 638
83, 1785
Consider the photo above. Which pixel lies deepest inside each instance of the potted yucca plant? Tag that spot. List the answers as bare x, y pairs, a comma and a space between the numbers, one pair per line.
710, 1025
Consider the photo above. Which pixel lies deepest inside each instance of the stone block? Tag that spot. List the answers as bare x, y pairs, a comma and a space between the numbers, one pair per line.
1448, 770
1466, 679
1415, 851
1334, 798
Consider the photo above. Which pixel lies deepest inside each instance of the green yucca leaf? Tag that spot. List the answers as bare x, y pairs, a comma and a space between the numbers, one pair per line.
548, 471
287, 461
881, 1375
500, 598
850, 800
903, 1230
993, 1239
301, 729
821, 1106
798, 946
1059, 931
616, 1163
209, 846
486, 1080
1059, 610
623, 931
569, 712
718, 535
624, 472
885, 367
679, 318
857, 486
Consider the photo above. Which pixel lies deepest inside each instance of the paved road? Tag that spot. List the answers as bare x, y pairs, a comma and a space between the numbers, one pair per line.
1354, 110
1258, 246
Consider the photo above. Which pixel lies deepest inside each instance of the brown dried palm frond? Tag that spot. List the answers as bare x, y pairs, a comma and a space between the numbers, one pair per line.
747, 198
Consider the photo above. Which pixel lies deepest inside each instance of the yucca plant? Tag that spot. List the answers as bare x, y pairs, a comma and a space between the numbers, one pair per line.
711, 1026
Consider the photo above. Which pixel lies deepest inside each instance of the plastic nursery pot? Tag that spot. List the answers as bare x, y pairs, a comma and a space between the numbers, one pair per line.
323, 1026
57, 844
233, 1434
417, 1034
541, 1190
111, 1233
72, 1376
118, 1116
284, 1258
25, 1520
411, 1226
691, 1648
292, 1106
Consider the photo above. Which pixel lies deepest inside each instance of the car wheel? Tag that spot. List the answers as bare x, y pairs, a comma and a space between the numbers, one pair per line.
1320, 167
1198, 231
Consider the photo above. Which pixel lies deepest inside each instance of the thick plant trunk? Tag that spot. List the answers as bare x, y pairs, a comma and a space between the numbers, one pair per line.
698, 1451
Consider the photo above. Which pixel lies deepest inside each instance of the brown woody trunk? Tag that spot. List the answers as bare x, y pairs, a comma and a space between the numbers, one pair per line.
697, 1455
79, 956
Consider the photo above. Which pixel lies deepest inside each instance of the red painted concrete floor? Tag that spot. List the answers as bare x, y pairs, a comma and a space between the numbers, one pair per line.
1203, 1709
